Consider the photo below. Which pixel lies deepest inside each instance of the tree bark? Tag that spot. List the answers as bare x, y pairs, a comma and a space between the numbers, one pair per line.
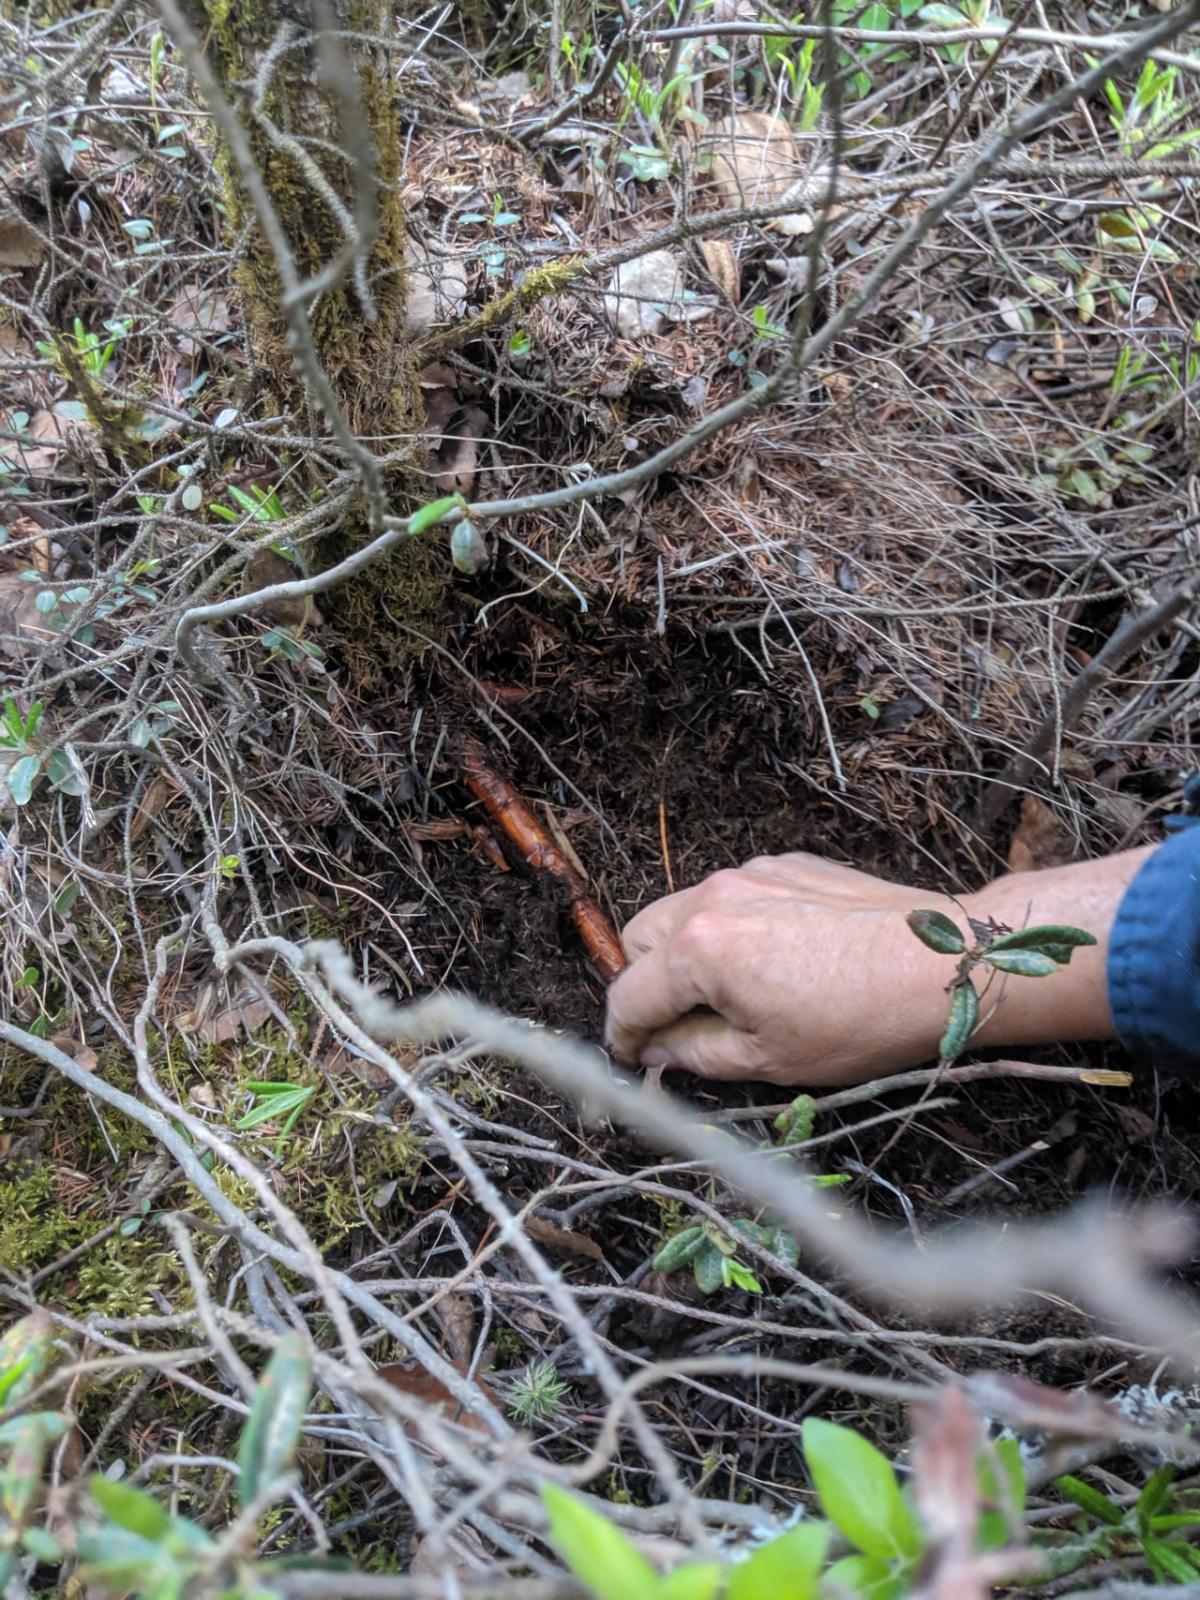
315, 159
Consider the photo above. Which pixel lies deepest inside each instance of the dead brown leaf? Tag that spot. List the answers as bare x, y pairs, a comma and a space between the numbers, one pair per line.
456, 456
456, 1313
159, 792
218, 1027
200, 315
721, 264
565, 1240
437, 288
19, 244
53, 432
1041, 839
413, 1380
756, 162
21, 624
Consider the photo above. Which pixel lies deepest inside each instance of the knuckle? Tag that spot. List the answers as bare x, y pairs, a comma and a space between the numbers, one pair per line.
723, 885
700, 938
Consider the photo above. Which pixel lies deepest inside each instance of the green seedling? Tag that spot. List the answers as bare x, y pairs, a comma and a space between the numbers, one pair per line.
275, 1100
536, 1394
93, 351
20, 733
1023, 953
782, 55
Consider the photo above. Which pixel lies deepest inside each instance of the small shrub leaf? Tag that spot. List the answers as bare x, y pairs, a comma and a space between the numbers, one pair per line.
697, 1581
1022, 963
272, 1432
433, 513
786, 1569
678, 1251
596, 1550
25, 1351
961, 1020
1043, 938
865, 1576
936, 930
129, 1508
709, 1268
858, 1490
22, 776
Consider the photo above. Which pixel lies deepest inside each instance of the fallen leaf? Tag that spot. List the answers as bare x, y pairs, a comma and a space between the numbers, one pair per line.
455, 458
721, 264
437, 288
159, 791
219, 1027
54, 431
412, 1379
200, 314
756, 162
644, 294
1040, 840
21, 623
19, 244
456, 1313
564, 1239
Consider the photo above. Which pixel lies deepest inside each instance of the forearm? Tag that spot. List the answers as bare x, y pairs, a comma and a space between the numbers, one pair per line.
1073, 1003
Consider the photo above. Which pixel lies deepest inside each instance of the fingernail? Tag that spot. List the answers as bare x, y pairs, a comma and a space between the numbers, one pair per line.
654, 1056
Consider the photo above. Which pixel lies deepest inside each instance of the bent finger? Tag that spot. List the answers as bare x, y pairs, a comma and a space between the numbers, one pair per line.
706, 1045
655, 991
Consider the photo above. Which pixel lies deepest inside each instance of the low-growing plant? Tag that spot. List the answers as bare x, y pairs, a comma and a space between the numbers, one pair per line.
275, 1100
861, 1498
536, 1393
20, 733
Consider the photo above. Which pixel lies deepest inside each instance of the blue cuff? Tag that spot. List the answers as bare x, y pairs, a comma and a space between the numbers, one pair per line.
1154, 957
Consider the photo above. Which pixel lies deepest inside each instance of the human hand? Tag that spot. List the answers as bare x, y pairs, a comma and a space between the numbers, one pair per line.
790, 969
794, 970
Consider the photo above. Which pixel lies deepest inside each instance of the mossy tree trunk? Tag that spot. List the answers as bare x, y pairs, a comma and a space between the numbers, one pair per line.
368, 361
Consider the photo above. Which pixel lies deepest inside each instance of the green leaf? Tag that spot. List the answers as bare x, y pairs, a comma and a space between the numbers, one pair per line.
795, 1125
596, 1551
21, 1476
936, 930
863, 1575
708, 1265
1008, 1493
272, 1431
1050, 937
699, 1580
468, 548
276, 1105
736, 1276
1170, 1560
41, 1545
679, 1250
52, 1423
785, 1569
1155, 1495
942, 16
433, 513
129, 1508
858, 1490
22, 776
1023, 963
25, 1352
961, 1020
1090, 1500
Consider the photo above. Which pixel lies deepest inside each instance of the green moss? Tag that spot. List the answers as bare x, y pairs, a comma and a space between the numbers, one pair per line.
118, 1277
35, 1226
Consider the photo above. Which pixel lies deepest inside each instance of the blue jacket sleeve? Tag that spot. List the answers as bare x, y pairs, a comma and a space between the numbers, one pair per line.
1154, 957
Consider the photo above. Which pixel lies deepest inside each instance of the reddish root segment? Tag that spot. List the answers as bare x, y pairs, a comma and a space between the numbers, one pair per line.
515, 820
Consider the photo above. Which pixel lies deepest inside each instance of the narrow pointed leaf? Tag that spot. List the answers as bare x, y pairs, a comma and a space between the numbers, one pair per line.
1090, 1500
960, 1023
936, 930
268, 1444
859, 1491
786, 1569
596, 1551
273, 1106
1022, 963
433, 513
